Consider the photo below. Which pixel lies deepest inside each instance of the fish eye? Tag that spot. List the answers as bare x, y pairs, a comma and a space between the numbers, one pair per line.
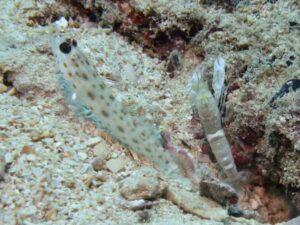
65, 47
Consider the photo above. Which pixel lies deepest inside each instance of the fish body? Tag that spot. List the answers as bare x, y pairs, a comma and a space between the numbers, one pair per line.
91, 94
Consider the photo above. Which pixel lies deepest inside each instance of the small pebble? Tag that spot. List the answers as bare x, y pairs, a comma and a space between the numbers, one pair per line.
102, 154
101, 150
82, 156
144, 216
51, 214
8, 157
93, 141
12, 91
254, 204
6, 199
98, 164
88, 180
3, 88
38, 135
96, 181
101, 200
27, 150
115, 165
31, 158
235, 211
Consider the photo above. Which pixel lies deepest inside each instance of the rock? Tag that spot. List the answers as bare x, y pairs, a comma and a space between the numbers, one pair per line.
142, 184
191, 202
31, 158
218, 191
8, 157
102, 154
237, 212
37, 135
294, 221
93, 141
3, 88
117, 164
28, 150
51, 214
98, 164
12, 91
101, 150
82, 156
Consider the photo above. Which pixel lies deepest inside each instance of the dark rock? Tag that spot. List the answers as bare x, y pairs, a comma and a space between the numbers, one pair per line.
235, 211
290, 85
218, 191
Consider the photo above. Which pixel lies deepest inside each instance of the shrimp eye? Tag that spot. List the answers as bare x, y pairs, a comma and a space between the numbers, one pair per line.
65, 47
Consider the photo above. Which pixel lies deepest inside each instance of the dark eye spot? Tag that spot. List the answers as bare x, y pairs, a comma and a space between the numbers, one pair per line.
104, 113
84, 76
120, 129
112, 97
102, 86
135, 141
65, 47
91, 95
